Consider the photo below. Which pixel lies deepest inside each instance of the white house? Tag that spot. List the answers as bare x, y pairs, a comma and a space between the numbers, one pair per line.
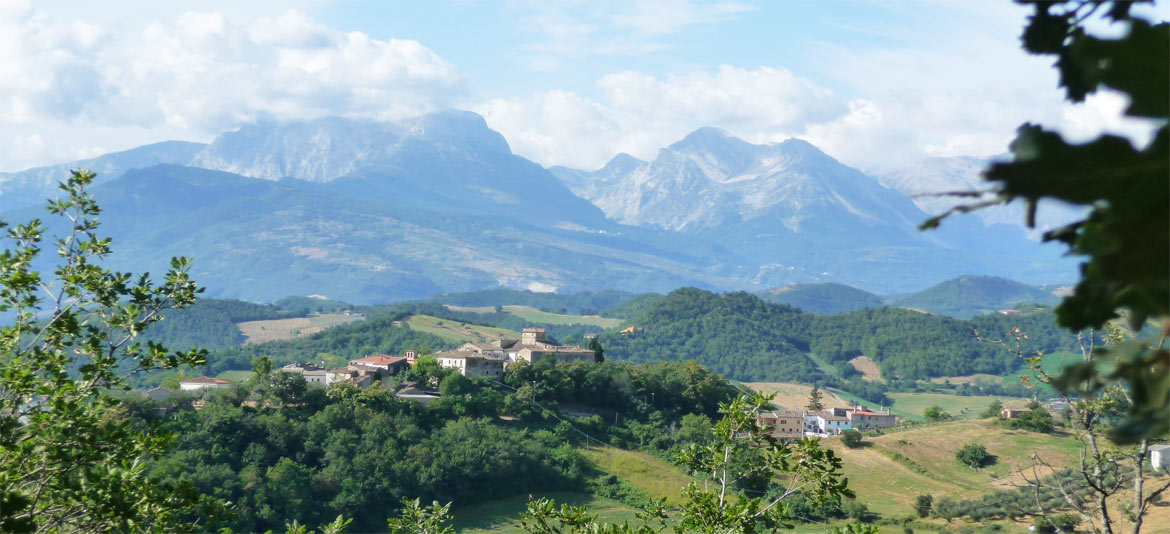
203, 382
1160, 457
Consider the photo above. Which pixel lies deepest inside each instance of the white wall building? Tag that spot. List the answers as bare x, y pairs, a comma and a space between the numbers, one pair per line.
1160, 457
203, 382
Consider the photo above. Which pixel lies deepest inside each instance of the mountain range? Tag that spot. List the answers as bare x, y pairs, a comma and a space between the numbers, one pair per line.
369, 211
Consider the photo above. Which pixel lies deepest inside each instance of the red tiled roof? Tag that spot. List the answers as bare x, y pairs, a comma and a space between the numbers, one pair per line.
379, 359
204, 380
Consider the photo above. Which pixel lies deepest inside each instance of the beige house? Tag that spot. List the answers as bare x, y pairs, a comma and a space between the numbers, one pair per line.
785, 425
471, 364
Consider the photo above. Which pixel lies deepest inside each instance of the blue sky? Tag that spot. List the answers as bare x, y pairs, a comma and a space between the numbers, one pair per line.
876, 84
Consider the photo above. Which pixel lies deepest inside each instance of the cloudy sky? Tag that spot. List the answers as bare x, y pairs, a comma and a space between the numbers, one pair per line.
876, 84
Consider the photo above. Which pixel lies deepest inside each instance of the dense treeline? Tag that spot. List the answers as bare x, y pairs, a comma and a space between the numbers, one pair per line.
281, 450
823, 299
210, 323
735, 334
911, 345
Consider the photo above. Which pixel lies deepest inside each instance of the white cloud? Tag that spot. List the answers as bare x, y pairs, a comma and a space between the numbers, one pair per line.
639, 114
197, 75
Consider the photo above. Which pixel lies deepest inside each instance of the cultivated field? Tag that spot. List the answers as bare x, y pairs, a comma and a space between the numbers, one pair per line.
868, 368
534, 315
792, 396
457, 332
281, 329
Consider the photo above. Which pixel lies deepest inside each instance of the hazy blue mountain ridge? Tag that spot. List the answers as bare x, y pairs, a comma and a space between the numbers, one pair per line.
367, 212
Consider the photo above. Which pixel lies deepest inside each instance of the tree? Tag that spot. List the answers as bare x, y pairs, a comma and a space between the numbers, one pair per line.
69, 461
851, 438
815, 399
741, 450
922, 505
598, 351
974, 455
418, 519
936, 413
993, 410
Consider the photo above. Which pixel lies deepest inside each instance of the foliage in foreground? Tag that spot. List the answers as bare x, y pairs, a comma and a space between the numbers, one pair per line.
69, 460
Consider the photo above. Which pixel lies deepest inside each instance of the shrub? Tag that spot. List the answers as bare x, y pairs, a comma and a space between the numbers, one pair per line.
975, 455
851, 438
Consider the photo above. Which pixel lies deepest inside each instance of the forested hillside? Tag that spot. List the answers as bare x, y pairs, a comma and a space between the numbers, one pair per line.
735, 334
742, 336
210, 323
281, 450
827, 298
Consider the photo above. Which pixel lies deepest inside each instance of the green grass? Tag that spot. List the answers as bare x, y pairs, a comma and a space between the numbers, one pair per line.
824, 366
457, 332
235, 376
503, 515
899, 466
1051, 364
532, 314
657, 478
917, 403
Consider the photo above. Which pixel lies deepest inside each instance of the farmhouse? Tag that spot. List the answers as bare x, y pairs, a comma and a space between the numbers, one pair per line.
493, 358
862, 418
827, 422
785, 425
1012, 413
313, 374
202, 383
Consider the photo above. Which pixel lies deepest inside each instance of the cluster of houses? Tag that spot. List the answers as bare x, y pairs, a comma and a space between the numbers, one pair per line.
493, 358
362, 372
792, 425
471, 359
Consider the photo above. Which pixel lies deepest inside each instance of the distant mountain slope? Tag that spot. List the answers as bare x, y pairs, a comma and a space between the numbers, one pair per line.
262, 240
822, 299
967, 296
33, 186
803, 217
923, 181
367, 211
